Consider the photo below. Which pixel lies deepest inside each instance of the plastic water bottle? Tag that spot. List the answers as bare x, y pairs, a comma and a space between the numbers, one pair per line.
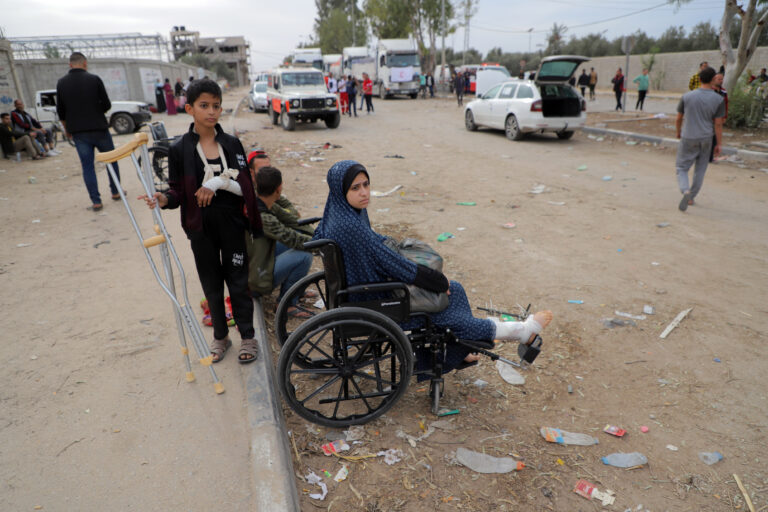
710, 457
555, 435
625, 460
18, 156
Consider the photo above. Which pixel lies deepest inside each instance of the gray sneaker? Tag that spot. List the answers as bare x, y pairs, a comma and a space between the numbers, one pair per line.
684, 202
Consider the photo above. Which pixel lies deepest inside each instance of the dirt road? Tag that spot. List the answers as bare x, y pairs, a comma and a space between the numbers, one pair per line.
96, 413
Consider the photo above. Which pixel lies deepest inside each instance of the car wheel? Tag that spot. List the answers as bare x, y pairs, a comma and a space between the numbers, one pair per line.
565, 134
288, 122
512, 129
469, 121
333, 120
414, 95
123, 123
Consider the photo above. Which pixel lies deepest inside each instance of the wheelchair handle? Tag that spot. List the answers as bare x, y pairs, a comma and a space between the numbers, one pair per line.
310, 220
317, 244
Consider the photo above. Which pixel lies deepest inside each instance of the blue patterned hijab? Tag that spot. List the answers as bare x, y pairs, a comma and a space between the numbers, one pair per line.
366, 258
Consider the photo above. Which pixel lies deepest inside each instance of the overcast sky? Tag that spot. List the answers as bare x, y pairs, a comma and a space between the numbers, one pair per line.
274, 28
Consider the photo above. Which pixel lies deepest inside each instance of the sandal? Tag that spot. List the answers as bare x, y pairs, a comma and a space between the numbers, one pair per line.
299, 312
310, 295
249, 348
219, 348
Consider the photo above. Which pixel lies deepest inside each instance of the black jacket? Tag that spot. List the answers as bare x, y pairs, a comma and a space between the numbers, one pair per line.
583, 80
82, 101
185, 172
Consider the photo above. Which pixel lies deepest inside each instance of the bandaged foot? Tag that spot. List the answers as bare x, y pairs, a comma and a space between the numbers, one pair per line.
524, 332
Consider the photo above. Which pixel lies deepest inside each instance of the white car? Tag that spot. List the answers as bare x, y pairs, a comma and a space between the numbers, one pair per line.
546, 104
258, 97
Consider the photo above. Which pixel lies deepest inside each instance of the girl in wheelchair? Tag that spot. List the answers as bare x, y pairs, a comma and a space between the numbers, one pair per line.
368, 260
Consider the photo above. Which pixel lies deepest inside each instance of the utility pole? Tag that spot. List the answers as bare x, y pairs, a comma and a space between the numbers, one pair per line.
354, 32
442, 15
467, 16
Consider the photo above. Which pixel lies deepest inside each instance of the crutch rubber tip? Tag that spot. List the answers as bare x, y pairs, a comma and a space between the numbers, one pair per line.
190, 377
206, 361
184, 350
218, 387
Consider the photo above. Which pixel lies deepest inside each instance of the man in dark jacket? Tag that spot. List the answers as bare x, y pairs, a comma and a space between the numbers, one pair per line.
583, 82
81, 104
14, 140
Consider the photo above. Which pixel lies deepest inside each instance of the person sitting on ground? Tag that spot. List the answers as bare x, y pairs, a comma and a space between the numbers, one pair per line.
24, 121
14, 140
277, 258
368, 260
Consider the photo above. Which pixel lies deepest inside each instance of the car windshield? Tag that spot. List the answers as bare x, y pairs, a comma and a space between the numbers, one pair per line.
303, 79
260, 87
401, 60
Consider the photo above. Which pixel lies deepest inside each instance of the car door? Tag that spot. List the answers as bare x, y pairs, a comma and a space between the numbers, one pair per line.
500, 105
482, 110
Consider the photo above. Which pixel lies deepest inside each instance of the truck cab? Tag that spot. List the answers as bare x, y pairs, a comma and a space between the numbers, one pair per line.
397, 68
300, 94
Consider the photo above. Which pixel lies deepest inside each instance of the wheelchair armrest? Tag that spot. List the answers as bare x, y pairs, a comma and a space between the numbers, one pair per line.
375, 287
316, 244
310, 220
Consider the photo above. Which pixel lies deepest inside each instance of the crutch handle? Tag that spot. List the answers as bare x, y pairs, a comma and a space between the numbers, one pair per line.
124, 150
153, 241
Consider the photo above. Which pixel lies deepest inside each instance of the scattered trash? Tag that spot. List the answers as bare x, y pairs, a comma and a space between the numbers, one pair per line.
442, 237
614, 430
582, 168
710, 458
316, 159
376, 193
394, 156
631, 143
557, 203
644, 429
482, 463
342, 474
509, 225
36, 221
717, 360
672, 448
335, 447
675, 322
355, 433
382, 210
313, 479
589, 491
607, 178
575, 301
33, 357
537, 189
600, 139
509, 374
570, 389
97, 244
619, 250
447, 412
391, 456
662, 225
625, 460
555, 435
32, 180
328, 145
480, 383
413, 173
319, 304
649, 310
460, 229
23, 245
655, 263
629, 315
610, 323
466, 203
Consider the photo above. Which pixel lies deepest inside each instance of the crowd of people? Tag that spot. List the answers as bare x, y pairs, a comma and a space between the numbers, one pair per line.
21, 132
348, 88
171, 98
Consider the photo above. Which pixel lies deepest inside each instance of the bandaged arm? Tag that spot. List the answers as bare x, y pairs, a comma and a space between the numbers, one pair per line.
221, 183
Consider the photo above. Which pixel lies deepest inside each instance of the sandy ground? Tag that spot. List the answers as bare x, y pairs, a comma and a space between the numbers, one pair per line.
96, 414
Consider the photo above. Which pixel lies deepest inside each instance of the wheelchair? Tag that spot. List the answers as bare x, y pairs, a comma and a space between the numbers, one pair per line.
158, 154
350, 363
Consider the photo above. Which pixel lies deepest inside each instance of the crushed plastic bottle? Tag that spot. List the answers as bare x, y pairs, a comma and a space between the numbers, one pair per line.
555, 435
710, 457
483, 463
625, 460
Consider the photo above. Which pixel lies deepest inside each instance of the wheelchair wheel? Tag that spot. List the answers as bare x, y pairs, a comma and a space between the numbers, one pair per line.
359, 362
284, 324
158, 158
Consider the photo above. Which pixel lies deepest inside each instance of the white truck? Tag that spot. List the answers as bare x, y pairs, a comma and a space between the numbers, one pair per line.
310, 57
332, 64
394, 66
123, 117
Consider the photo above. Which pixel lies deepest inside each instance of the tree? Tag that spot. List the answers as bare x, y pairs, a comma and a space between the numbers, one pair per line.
426, 25
556, 39
389, 19
51, 52
339, 23
752, 20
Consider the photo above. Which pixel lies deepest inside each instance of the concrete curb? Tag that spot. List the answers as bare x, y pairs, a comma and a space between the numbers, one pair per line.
665, 141
275, 488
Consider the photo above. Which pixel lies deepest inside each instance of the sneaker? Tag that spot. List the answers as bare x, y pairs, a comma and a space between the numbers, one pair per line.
54, 152
684, 202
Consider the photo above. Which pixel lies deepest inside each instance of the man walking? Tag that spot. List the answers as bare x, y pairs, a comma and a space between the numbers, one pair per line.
642, 82
458, 86
583, 82
592, 83
82, 102
700, 113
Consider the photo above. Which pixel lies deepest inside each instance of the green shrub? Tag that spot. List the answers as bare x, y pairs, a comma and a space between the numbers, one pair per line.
746, 104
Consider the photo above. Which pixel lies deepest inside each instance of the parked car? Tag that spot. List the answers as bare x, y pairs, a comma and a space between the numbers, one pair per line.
546, 104
123, 117
258, 97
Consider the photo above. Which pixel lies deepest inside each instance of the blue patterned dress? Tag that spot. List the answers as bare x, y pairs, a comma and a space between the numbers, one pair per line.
368, 260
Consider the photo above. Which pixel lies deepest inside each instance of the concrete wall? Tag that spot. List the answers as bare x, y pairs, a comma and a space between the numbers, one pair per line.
9, 86
124, 79
671, 71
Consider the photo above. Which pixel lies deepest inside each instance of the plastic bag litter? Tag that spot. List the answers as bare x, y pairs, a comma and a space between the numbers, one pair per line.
391, 456
509, 374
355, 433
313, 479
482, 463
